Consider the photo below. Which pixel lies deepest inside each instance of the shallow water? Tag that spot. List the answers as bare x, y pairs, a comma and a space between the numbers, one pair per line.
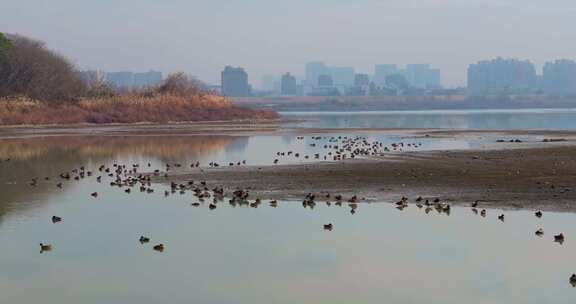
521, 119
253, 255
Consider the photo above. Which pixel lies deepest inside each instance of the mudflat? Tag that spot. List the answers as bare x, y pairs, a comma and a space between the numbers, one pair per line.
542, 178
539, 173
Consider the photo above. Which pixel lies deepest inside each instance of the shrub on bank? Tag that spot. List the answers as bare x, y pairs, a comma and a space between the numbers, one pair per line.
39, 86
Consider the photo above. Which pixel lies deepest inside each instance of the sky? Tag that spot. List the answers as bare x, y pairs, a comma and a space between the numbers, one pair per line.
274, 37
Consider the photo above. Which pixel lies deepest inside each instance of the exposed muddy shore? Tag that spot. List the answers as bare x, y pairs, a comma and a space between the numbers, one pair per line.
532, 178
533, 174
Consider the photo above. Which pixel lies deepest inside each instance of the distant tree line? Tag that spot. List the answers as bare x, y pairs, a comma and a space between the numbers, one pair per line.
29, 69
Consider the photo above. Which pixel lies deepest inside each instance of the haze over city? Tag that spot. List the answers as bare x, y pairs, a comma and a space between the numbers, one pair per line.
303, 151
274, 37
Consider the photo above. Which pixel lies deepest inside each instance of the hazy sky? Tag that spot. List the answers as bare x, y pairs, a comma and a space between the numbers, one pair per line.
269, 37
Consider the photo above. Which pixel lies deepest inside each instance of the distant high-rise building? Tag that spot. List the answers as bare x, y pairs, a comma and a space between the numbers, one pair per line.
288, 85
361, 85
120, 79
559, 77
92, 77
342, 76
325, 81
147, 79
361, 80
501, 76
381, 71
235, 82
313, 72
422, 76
123, 79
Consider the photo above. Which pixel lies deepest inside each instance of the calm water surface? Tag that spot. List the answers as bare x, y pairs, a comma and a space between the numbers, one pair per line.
247, 255
543, 119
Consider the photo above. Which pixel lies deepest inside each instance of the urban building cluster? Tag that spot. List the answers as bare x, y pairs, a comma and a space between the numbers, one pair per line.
487, 77
323, 80
128, 80
513, 76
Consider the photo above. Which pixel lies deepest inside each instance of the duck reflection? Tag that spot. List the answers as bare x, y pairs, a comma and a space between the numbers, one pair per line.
30, 164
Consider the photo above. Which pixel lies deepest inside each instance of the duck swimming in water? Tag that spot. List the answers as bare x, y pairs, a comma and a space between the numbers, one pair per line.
144, 240
328, 227
159, 247
559, 238
56, 219
45, 247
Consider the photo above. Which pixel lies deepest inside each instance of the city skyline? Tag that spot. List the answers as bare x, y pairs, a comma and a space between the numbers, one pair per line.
173, 36
489, 76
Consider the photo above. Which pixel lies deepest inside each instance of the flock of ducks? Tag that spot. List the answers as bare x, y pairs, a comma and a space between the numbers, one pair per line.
344, 147
129, 178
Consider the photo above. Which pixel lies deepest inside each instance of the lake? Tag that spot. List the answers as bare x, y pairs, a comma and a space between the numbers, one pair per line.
265, 254
522, 119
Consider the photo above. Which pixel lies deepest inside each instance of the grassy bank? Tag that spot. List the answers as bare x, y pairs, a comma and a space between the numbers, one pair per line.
128, 109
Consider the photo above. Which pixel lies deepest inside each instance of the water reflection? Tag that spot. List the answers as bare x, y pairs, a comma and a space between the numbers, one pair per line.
232, 254
44, 158
276, 253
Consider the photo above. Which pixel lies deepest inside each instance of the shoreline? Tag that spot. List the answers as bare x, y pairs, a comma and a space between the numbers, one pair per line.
272, 126
533, 178
533, 174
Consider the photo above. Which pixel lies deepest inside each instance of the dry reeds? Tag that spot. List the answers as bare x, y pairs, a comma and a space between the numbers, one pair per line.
132, 108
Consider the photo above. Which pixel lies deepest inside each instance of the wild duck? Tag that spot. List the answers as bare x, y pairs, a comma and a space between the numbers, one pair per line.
45, 247
559, 238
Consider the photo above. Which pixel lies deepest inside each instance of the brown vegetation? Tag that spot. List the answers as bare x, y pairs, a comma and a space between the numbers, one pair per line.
36, 150
38, 87
28, 68
127, 109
